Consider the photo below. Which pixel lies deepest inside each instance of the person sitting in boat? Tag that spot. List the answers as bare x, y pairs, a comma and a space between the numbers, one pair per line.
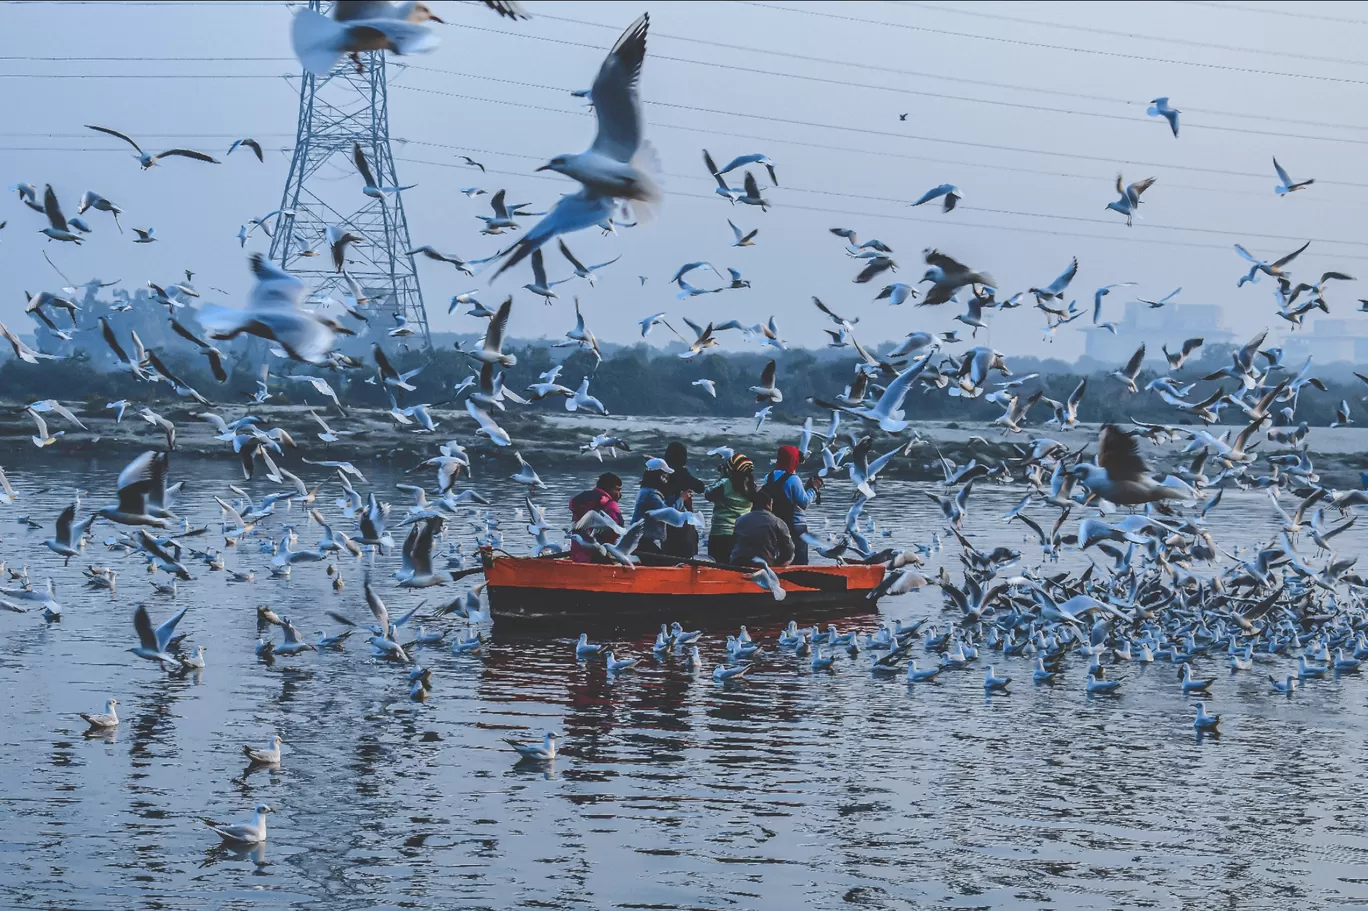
680, 486
651, 496
791, 497
760, 533
731, 497
603, 498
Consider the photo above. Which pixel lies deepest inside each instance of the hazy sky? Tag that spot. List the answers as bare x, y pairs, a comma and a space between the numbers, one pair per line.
1031, 119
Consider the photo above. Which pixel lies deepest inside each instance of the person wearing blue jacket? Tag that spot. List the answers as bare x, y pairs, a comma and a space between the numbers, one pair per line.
791, 497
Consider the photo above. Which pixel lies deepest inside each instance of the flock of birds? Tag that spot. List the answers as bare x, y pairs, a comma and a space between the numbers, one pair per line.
1157, 586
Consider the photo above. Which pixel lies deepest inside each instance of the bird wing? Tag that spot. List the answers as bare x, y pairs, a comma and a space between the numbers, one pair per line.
1191, 345
275, 287
1282, 175
359, 158
1291, 256
752, 188
1133, 365
948, 264
53, 209
572, 212
1119, 453
565, 251
115, 133
539, 268
188, 153
767, 375
147, 637
1059, 284
497, 324
185, 333
614, 94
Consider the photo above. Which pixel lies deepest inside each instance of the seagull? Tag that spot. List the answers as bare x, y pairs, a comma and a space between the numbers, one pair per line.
107, 720
1120, 474
1128, 373
474, 164
136, 483
58, 228
93, 200
1287, 184
767, 391
752, 195
1203, 721
371, 188
269, 755
147, 160
152, 643
243, 833
1130, 197
949, 192
731, 194
1055, 290
582, 399
539, 285
460, 264
214, 355
611, 169
1176, 360
43, 439
948, 276
145, 236
491, 351
1159, 107
897, 293
707, 386
274, 312
1155, 305
1274, 269
66, 542
246, 144
741, 161
742, 239
537, 752
320, 42
338, 239
581, 270
651, 322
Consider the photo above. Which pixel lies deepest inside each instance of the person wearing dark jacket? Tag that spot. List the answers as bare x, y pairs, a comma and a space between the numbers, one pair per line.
603, 498
680, 486
760, 533
792, 496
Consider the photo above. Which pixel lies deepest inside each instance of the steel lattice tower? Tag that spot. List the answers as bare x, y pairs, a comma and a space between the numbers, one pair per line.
335, 111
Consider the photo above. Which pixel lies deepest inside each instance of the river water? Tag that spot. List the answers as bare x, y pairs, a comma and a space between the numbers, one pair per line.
790, 790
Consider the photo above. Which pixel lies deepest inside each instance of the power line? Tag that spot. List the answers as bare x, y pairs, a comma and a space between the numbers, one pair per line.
845, 83
1020, 42
1298, 14
995, 147
1163, 39
938, 220
906, 217
884, 70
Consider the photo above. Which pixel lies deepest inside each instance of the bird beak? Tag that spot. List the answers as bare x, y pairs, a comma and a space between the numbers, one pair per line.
436, 19
545, 167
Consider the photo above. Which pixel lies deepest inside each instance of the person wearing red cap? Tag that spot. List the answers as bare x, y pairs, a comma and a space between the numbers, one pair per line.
791, 497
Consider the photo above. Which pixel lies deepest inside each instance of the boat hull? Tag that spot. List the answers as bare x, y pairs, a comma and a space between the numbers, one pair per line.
541, 593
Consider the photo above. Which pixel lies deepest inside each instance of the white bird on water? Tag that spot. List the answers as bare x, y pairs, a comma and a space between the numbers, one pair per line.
268, 755
245, 833
103, 721
537, 752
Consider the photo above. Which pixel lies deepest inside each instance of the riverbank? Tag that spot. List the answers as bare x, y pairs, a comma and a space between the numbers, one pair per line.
556, 437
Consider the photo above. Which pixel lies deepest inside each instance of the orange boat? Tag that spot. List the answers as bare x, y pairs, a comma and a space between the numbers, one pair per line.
541, 591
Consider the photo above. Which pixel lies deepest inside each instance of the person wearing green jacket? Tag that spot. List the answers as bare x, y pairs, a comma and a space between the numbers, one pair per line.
731, 497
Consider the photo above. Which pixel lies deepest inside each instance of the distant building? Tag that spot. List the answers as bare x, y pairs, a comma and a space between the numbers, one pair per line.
1328, 341
1168, 325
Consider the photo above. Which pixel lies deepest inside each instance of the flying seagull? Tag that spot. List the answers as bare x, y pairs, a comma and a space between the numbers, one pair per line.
147, 160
